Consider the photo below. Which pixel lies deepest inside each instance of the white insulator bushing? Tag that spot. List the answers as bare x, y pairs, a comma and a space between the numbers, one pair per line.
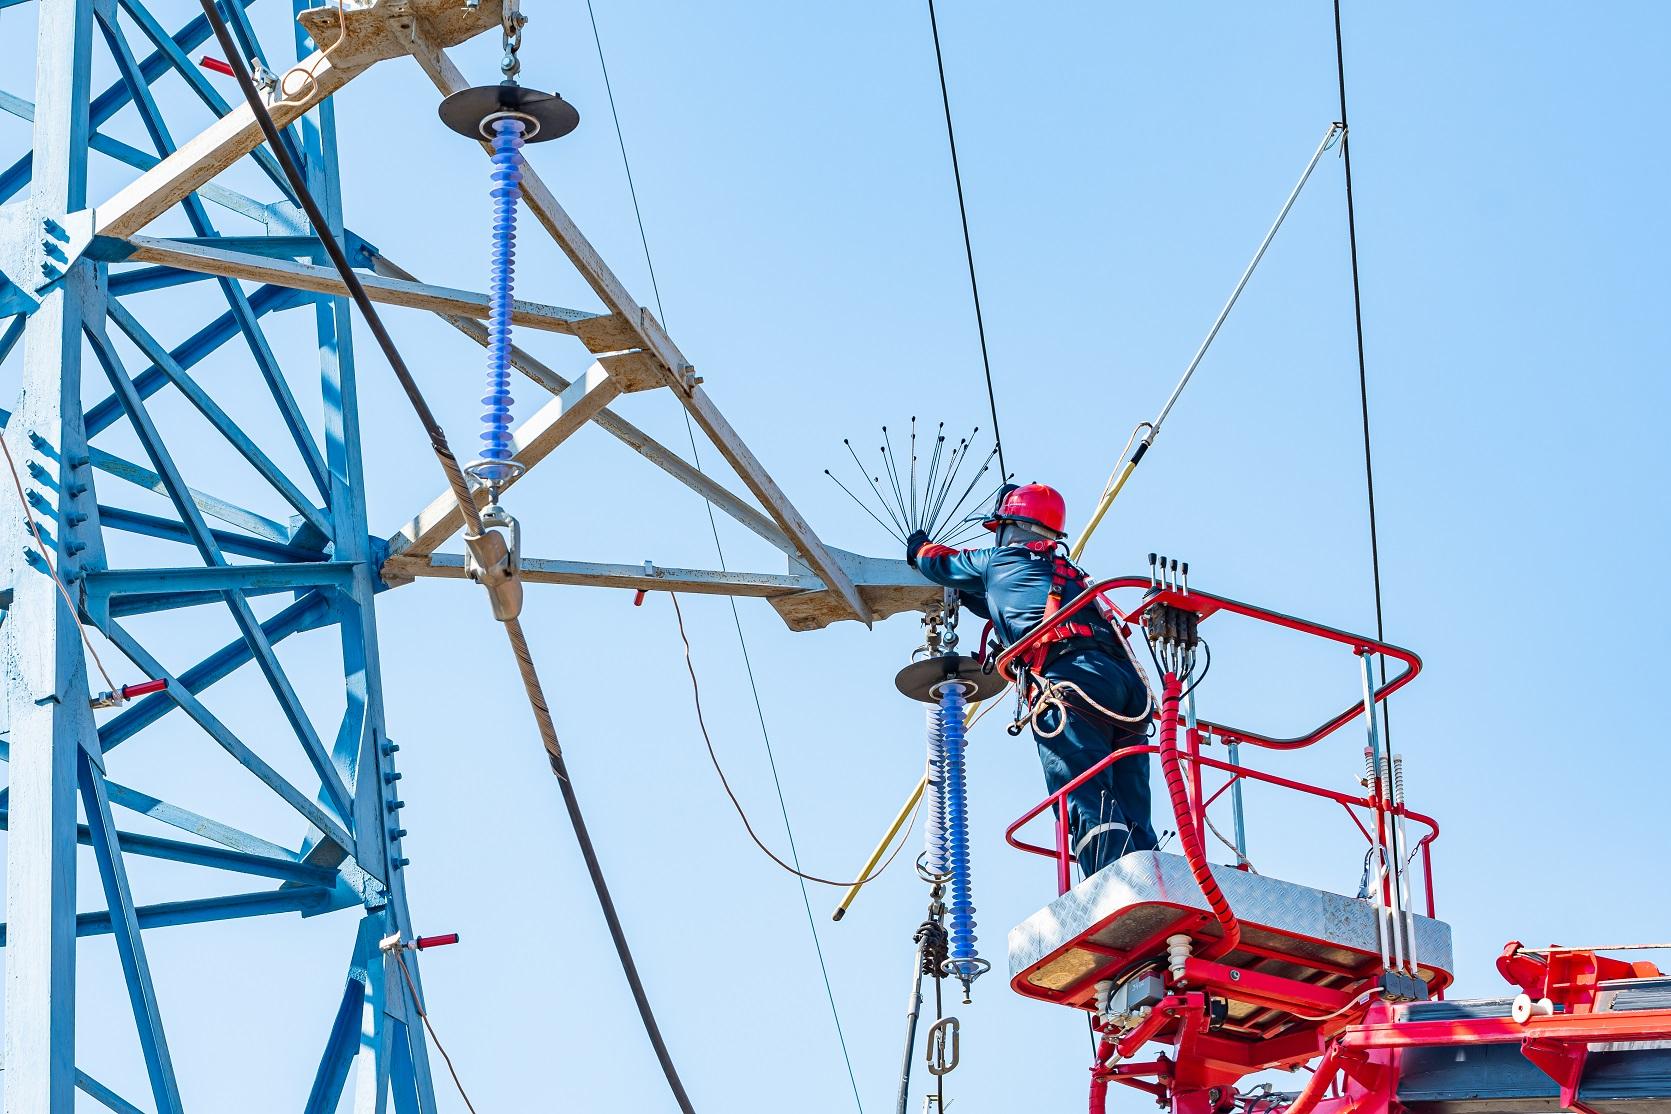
1521, 1010
1103, 990
1178, 949
1398, 779
1368, 779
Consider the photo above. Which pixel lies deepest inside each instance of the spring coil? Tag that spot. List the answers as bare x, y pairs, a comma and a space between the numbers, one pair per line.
962, 960
934, 828
506, 192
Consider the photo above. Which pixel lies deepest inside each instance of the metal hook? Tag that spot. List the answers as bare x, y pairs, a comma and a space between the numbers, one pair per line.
943, 1038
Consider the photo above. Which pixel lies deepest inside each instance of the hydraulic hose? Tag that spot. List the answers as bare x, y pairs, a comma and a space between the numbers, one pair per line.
1188, 834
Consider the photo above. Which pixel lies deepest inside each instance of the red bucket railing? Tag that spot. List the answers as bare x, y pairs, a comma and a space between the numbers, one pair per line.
1205, 604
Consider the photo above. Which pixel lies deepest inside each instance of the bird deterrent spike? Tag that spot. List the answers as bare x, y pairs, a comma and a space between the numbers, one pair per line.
891, 531
967, 491
893, 480
865, 473
913, 468
934, 460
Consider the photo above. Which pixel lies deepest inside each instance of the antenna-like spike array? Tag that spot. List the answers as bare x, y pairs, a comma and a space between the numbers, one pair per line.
912, 495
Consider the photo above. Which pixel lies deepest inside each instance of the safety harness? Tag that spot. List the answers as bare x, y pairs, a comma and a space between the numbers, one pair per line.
1064, 573
1036, 693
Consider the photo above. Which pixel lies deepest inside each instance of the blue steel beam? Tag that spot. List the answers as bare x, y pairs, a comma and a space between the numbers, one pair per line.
40, 642
198, 216
309, 901
220, 733
97, 1091
289, 702
188, 821
220, 419
307, 613
137, 522
190, 352
285, 869
112, 100
193, 77
142, 993
134, 157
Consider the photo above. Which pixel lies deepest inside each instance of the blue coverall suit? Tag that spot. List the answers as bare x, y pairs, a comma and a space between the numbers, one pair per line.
1109, 814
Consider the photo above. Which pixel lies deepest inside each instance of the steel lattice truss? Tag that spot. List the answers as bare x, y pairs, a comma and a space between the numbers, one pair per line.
152, 557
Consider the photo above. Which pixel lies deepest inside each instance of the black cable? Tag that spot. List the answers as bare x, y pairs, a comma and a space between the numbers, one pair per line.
467, 506
968, 248
322, 228
1363, 375
736, 618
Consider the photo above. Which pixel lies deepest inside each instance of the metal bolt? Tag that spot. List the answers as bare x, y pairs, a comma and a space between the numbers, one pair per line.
1235, 976
397, 833
75, 547
77, 490
390, 748
390, 779
394, 806
36, 439
402, 862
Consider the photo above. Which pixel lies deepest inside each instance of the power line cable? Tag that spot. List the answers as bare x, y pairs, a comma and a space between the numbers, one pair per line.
736, 618
968, 246
472, 516
1363, 374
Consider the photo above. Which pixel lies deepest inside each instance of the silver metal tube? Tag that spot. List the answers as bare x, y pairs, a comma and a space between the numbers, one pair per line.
1328, 141
1236, 812
1408, 894
1385, 927
913, 1009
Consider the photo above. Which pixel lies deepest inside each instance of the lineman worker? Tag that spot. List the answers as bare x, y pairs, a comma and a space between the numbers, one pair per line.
1082, 666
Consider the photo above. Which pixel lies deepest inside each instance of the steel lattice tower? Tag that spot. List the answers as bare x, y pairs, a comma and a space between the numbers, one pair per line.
151, 558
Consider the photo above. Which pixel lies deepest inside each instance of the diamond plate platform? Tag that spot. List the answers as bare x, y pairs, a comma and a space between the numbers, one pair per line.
1122, 915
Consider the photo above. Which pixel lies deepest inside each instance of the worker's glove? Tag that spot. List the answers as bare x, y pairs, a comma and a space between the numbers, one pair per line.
913, 545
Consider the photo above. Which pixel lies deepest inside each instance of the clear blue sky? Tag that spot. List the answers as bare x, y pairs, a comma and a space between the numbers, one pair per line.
1121, 162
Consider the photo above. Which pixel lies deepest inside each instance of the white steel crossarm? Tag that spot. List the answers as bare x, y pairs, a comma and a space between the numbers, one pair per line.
532, 442
624, 431
676, 370
209, 152
599, 330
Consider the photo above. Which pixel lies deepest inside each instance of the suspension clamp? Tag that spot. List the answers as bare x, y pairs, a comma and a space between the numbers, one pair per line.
496, 564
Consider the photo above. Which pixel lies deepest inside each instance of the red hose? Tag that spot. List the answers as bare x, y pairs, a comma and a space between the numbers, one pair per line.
1189, 834
1099, 1082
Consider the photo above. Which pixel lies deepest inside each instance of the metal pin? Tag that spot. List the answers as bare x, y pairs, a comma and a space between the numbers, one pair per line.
1186, 578
1152, 584
1174, 574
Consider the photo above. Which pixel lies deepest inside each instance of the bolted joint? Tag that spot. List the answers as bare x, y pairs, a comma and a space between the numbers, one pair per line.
394, 806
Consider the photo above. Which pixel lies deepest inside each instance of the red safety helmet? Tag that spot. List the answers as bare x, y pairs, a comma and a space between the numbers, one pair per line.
1034, 505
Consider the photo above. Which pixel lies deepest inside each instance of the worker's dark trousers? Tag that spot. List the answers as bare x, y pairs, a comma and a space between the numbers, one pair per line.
1109, 814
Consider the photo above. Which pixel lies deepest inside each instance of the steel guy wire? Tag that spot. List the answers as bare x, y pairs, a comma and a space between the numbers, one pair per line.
968, 246
1363, 374
713, 526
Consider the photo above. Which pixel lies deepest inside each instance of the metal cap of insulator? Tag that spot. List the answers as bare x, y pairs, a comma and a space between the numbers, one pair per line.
470, 112
921, 679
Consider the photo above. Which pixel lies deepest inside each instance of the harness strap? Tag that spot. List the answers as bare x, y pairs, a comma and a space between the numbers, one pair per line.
1063, 573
